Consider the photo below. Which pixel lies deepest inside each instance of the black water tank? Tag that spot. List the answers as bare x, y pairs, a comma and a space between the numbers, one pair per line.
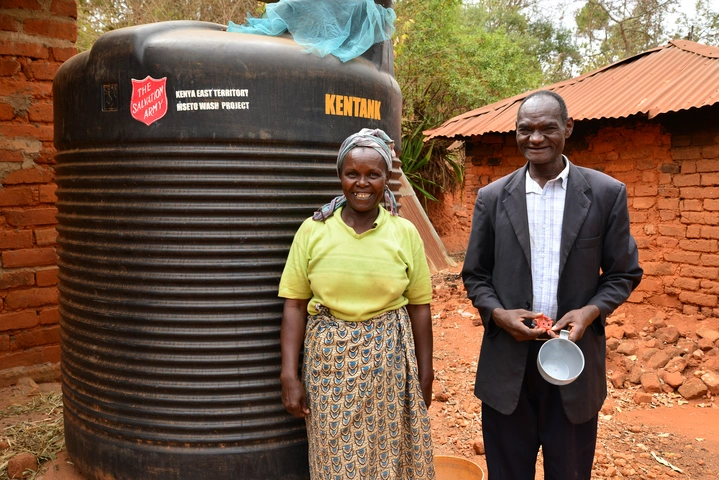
186, 159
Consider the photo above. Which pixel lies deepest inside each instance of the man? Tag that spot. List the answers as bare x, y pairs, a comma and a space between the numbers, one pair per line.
549, 238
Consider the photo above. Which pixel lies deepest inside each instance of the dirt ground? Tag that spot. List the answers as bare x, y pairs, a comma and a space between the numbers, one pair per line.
669, 437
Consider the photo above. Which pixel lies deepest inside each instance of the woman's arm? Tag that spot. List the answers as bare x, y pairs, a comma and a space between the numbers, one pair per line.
292, 335
421, 318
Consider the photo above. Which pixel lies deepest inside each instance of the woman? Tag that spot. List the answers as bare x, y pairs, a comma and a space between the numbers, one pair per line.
360, 273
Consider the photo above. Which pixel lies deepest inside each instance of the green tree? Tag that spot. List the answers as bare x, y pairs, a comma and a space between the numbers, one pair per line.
446, 66
96, 17
616, 29
526, 23
702, 26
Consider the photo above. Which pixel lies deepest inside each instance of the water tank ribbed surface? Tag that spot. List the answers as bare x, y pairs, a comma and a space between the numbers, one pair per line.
173, 236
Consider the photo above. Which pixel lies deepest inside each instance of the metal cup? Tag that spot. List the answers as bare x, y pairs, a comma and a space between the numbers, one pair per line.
560, 361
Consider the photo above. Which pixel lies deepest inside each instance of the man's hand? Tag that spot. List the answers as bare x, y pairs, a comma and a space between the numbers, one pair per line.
577, 320
513, 322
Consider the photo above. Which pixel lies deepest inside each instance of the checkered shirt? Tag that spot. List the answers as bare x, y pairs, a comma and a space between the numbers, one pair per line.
545, 211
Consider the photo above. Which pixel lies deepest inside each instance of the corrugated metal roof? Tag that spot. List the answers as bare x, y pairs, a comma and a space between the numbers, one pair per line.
677, 76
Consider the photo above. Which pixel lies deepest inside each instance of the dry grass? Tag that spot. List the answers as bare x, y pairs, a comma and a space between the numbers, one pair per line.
43, 437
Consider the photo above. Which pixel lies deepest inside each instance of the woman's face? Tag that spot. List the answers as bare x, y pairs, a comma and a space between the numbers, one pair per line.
363, 177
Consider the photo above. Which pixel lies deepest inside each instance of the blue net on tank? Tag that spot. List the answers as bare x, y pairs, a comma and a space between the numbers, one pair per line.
345, 29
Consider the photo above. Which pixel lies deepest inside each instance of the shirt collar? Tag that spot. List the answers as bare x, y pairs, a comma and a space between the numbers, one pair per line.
531, 186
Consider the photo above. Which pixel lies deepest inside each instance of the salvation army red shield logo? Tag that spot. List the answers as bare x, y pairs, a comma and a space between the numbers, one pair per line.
149, 99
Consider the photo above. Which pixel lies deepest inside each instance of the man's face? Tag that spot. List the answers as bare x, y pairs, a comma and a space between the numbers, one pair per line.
541, 132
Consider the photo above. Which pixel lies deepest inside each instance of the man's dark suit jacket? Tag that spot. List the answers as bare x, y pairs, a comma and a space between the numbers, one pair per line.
598, 266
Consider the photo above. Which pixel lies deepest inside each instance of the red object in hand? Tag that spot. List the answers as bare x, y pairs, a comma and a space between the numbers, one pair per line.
544, 322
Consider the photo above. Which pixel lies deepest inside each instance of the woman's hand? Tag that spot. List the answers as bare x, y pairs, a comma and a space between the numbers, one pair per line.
294, 397
292, 335
421, 318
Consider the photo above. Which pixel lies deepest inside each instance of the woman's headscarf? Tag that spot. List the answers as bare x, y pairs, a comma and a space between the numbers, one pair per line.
369, 138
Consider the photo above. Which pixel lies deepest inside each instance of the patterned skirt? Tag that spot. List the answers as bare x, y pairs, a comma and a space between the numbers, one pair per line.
367, 417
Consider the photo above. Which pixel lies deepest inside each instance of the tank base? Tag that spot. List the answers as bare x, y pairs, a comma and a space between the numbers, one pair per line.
105, 458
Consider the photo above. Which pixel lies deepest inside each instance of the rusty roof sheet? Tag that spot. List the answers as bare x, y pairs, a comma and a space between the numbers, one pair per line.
677, 76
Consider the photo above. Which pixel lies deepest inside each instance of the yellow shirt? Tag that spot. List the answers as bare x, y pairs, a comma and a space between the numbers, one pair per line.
357, 276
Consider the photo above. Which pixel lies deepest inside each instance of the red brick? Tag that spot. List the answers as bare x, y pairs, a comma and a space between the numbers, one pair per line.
47, 193
4, 343
64, 7
45, 236
700, 272
667, 242
651, 284
17, 279
18, 321
29, 257
711, 151
710, 178
51, 354
40, 112
46, 278
31, 298
644, 202
686, 153
645, 190
692, 205
668, 191
18, 196
19, 49
667, 215
24, 88
43, 70
710, 232
694, 231
40, 132
703, 218
668, 203
699, 245
15, 239
659, 268
689, 166
712, 205
698, 299
687, 283
29, 175
36, 337
690, 258
710, 260
46, 156
687, 180
9, 67
638, 217
699, 192
6, 112
9, 24
63, 54
49, 316
21, 359
35, 216
51, 28
672, 230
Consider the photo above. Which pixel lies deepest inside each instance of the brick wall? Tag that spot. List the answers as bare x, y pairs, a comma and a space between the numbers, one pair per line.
671, 169
36, 36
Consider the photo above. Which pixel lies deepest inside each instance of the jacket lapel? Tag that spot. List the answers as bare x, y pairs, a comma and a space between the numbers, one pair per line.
516, 207
576, 207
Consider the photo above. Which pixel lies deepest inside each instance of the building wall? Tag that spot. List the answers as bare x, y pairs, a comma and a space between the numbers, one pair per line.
36, 36
671, 170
